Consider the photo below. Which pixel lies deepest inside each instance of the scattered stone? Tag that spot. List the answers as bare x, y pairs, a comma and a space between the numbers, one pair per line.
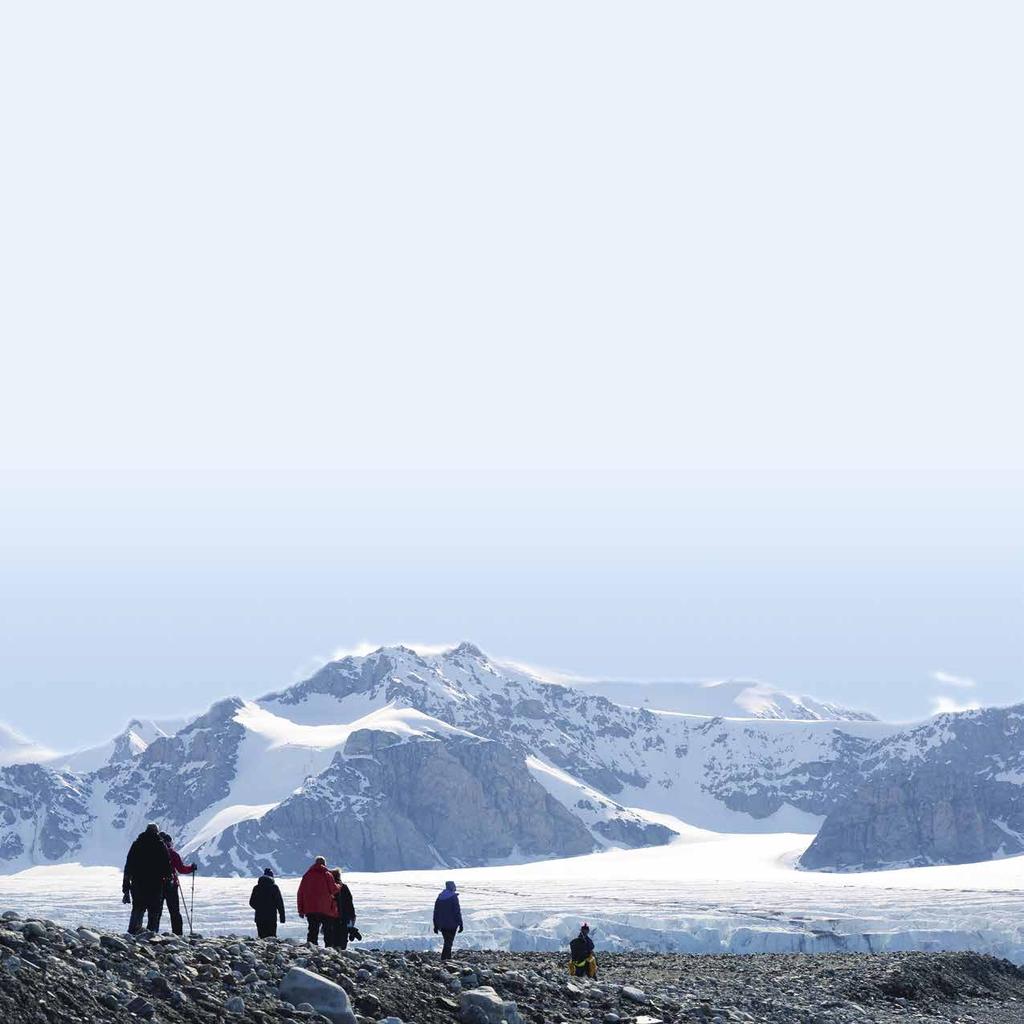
140, 1007
323, 995
484, 1006
369, 1004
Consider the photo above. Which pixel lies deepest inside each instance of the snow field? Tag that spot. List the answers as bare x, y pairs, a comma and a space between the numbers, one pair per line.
721, 894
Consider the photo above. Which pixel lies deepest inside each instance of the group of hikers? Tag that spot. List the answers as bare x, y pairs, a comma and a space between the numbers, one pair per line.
151, 879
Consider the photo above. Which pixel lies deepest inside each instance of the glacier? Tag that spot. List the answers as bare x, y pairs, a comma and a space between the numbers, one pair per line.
701, 893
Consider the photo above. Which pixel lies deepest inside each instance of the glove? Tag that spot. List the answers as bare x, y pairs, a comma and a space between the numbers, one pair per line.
195, 867
126, 898
435, 931
460, 928
282, 919
302, 916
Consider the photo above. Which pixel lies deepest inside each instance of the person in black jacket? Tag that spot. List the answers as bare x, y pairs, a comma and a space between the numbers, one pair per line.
266, 900
147, 870
338, 934
447, 917
581, 954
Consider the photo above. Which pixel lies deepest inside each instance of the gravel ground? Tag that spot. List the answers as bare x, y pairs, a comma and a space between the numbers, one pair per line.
50, 973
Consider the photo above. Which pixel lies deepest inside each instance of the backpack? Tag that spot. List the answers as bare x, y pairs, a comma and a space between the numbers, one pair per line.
578, 949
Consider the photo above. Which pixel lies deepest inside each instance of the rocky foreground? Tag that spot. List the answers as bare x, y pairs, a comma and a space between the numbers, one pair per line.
50, 973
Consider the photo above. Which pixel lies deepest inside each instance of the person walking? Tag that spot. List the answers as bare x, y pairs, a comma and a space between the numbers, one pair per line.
315, 901
346, 918
267, 901
147, 869
172, 889
447, 917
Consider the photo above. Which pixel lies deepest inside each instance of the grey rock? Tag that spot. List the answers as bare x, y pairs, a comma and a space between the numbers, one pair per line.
484, 1006
368, 1003
301, 986
236, 1004
140, 1007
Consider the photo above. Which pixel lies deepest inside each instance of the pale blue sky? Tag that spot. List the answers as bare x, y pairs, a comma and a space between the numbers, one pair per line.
154, 593
661, 340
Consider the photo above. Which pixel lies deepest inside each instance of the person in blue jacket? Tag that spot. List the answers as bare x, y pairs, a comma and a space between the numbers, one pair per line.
447, 917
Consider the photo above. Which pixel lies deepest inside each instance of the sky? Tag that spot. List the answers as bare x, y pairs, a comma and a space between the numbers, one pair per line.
661, 341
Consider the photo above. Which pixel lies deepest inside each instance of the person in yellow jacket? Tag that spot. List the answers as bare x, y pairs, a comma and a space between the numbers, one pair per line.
581, 954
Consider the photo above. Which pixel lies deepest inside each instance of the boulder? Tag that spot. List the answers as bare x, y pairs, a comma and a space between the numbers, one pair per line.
301, 986
484, 1006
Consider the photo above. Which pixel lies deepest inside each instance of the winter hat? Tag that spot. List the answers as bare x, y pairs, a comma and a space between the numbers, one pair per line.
450, 886
268, 872
166, 838
322, 861
153, 827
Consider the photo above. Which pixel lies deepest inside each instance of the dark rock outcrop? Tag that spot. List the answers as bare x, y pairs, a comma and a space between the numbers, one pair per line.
946, 792
386, 803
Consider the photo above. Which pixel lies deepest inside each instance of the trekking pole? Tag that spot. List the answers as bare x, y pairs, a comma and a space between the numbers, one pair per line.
192, 904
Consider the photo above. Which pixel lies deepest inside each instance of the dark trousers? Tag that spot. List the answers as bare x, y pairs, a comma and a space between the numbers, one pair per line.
172, 897
266, 927
448, 934
149, 902
315, 923
336, 933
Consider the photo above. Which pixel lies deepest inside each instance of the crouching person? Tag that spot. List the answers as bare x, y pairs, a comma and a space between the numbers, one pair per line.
268, 903
581, 954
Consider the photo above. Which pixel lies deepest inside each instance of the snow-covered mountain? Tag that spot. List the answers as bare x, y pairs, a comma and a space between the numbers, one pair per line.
399, 759
727, 698
126, 745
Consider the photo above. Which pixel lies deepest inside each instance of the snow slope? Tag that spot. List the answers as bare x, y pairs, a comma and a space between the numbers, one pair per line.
710, 894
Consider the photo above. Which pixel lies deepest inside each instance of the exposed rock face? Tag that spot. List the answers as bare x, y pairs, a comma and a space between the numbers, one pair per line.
54, 806
933, 816
948, 792
385, 804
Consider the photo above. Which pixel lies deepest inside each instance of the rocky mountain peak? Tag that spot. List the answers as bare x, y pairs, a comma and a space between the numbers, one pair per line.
466, 650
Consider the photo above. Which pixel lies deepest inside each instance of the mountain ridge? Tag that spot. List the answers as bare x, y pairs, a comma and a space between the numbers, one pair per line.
252, 782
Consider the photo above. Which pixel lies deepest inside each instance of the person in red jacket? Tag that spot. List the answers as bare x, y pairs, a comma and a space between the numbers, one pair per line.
316, 901
172, 893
